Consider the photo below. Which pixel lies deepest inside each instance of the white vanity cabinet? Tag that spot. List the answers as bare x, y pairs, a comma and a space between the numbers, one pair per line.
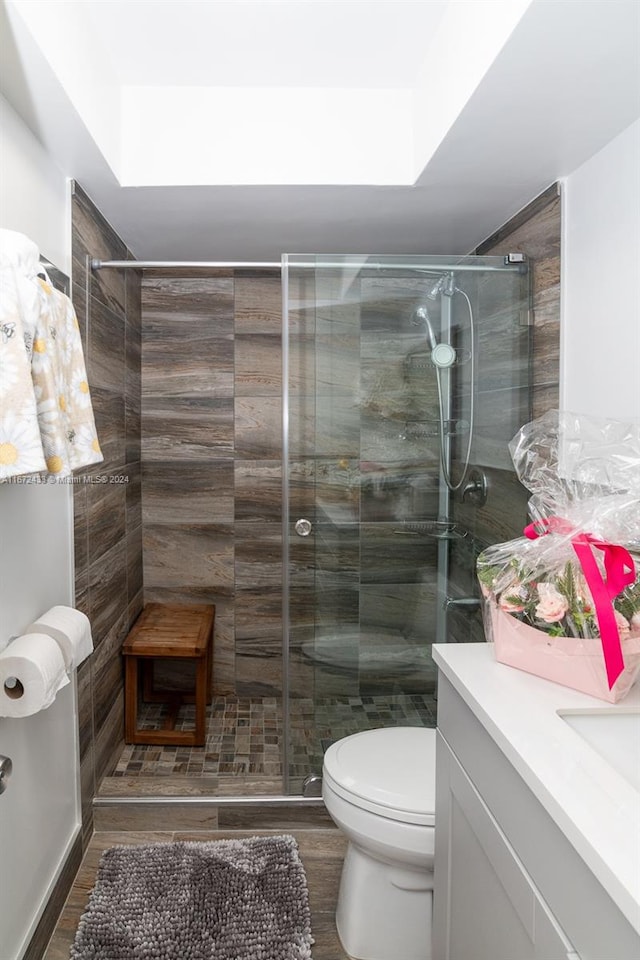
494, 910
509, 884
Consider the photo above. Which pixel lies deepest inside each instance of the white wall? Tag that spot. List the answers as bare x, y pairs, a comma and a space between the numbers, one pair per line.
39, 811
34, 195
600, 351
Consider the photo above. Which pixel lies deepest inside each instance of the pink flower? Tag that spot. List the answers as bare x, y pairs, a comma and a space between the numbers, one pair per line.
634, 624
552, 606
509, 607
511, 599
623, 625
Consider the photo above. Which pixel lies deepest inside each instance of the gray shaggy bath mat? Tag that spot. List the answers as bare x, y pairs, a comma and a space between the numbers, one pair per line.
220, 900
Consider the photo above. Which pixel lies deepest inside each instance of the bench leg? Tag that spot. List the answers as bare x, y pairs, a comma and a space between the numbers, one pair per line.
209, 657
131, 700
202, 685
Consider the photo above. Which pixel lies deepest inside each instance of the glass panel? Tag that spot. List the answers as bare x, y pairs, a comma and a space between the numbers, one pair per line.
368, 585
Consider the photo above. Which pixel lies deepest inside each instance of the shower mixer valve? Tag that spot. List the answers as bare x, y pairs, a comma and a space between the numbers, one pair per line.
476, 488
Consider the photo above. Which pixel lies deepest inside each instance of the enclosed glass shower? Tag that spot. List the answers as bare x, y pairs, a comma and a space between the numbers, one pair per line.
404, 379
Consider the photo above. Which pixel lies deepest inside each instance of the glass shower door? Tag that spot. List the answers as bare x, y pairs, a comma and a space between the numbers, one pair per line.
369, 528
362, 468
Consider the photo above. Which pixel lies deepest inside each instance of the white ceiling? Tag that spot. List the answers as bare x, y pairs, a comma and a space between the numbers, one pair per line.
246, 43
556, 89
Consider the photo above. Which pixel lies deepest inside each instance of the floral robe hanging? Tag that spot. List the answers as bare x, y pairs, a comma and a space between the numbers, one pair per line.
46, 417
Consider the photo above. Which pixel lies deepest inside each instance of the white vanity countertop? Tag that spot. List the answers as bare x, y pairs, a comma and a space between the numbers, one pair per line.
596, 808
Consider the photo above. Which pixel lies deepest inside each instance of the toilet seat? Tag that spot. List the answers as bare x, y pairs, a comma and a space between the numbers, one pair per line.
388, 771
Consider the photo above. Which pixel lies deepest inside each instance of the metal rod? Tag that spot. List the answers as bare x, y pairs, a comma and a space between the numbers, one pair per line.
310, 264
177, 264
444, 494
272, 800
286, 612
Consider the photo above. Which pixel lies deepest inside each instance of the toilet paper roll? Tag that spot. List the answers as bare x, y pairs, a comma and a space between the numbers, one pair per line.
70, 629
32, 671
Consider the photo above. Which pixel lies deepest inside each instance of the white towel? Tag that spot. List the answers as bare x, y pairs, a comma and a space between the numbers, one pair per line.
70, 629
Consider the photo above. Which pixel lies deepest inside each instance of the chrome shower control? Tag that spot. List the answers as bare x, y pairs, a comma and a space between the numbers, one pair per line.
476, 488
6, 766
303, 527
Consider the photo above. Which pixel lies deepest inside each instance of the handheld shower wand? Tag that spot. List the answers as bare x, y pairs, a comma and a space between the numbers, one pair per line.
443, 356
422, 314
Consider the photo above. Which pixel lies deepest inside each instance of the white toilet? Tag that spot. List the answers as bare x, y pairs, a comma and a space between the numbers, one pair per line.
379, 788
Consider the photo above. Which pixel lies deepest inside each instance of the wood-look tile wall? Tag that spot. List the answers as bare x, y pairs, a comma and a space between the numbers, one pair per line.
107, 505
211, 462
211, 445
534, 231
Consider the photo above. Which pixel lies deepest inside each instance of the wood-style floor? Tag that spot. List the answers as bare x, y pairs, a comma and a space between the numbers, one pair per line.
321, 850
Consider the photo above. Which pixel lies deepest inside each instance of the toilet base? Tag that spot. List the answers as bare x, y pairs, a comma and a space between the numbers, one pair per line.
384, 910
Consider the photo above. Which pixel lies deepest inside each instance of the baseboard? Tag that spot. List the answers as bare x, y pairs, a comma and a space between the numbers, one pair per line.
210, 813
57, 895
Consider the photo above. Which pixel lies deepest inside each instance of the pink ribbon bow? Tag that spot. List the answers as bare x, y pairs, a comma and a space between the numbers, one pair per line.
619, 573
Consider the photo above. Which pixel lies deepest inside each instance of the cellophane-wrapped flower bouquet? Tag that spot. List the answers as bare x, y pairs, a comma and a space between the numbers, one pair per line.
563, 602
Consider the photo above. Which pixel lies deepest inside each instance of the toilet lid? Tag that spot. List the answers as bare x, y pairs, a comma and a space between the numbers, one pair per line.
390, 771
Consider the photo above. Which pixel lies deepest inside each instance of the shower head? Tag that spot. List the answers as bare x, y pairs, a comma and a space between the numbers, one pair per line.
421, 316
444, 285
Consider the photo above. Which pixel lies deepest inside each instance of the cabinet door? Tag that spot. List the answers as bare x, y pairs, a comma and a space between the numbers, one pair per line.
485, 906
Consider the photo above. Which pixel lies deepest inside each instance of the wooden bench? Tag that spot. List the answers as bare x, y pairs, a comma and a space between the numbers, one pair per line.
169, 631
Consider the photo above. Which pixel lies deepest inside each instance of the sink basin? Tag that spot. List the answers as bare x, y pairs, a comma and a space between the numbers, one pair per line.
614, 734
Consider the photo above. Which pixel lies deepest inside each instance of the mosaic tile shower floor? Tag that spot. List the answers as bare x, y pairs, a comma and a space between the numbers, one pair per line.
244, 734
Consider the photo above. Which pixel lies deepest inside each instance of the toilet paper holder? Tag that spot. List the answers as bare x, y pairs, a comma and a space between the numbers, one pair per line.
13, 688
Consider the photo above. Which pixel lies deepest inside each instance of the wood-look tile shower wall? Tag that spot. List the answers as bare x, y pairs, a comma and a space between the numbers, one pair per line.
536, 232
211, 462
107, 504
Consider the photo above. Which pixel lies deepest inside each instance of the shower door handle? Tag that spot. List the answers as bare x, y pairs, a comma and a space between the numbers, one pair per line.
303, 527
